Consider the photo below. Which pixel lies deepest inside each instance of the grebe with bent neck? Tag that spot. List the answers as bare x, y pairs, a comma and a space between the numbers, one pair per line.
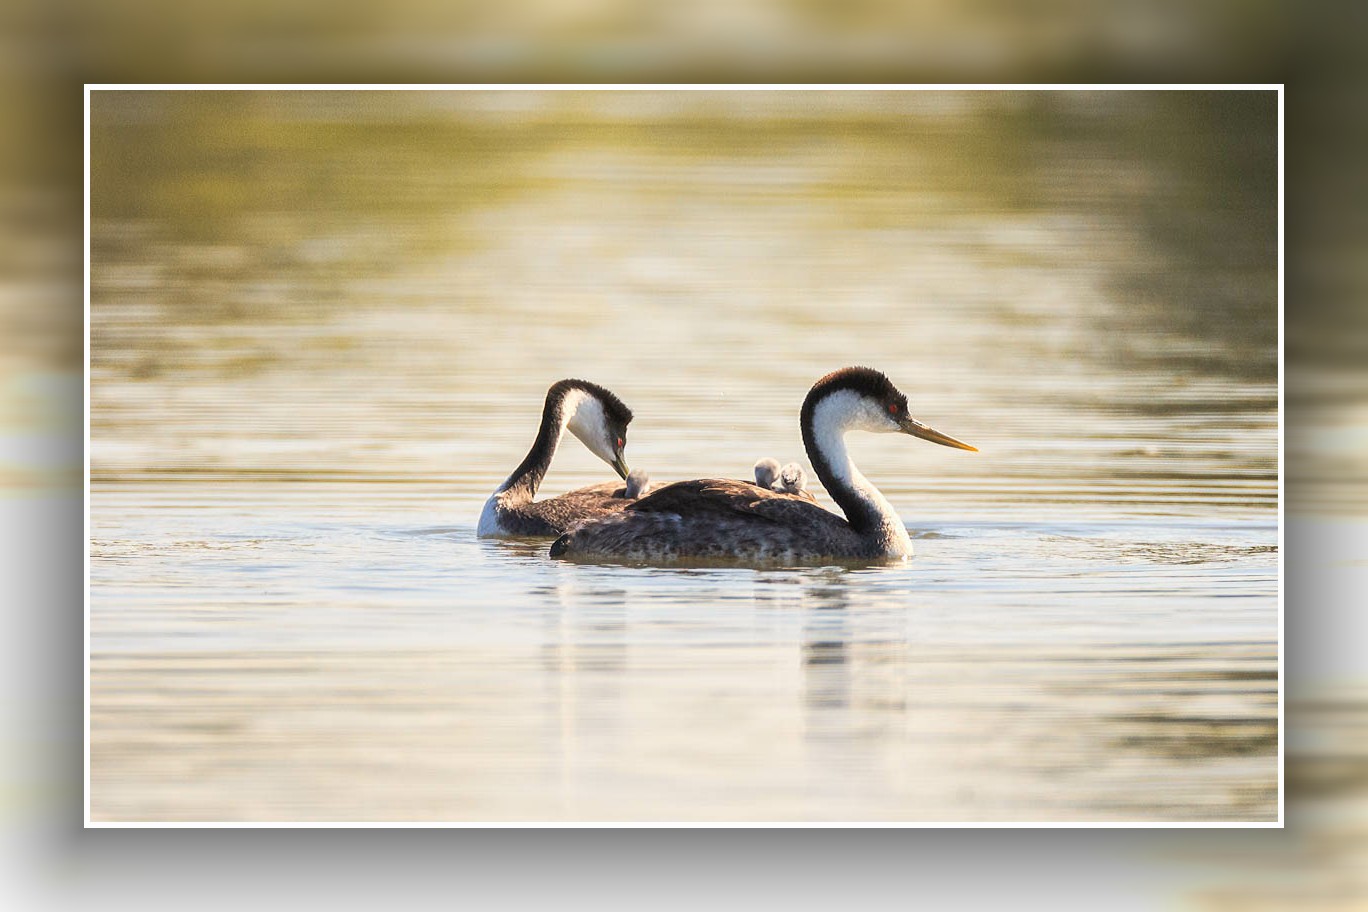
599, 420
720, 518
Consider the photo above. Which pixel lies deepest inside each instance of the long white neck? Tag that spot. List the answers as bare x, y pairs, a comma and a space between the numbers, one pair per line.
868, 511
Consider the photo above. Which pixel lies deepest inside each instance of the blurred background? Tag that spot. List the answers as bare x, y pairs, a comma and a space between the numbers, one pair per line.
50, 49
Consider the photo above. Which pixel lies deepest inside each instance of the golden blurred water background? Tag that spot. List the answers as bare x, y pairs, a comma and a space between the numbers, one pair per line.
321, 327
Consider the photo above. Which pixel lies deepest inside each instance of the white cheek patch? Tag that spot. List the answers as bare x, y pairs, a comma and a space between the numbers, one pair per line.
588, 422
847, 410
876, 418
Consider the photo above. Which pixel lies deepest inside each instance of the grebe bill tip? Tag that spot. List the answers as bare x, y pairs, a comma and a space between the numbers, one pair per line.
917, 429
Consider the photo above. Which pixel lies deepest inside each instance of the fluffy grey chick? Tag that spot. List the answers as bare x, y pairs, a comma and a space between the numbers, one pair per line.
638, 482
793, 480
767, 472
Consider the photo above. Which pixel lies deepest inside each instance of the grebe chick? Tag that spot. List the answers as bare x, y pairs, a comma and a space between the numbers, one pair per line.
638, 483
766, 471
788, 480
719, 518
793, 480
599, 419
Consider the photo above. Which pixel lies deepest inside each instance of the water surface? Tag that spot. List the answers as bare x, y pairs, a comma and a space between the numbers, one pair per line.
321, 329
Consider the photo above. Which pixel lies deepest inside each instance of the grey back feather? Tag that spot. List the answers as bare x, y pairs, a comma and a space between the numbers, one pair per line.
553, 516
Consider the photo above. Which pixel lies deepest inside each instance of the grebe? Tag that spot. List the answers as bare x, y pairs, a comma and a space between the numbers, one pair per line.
638, 483
789, 480
793, 480
599, 419
766, 471
736, 520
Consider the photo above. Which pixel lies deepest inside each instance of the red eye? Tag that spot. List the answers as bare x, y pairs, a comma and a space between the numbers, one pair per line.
893, 407
619, 443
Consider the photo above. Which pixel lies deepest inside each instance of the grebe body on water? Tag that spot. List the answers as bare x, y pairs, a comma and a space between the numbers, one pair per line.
599, 419
720, 518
